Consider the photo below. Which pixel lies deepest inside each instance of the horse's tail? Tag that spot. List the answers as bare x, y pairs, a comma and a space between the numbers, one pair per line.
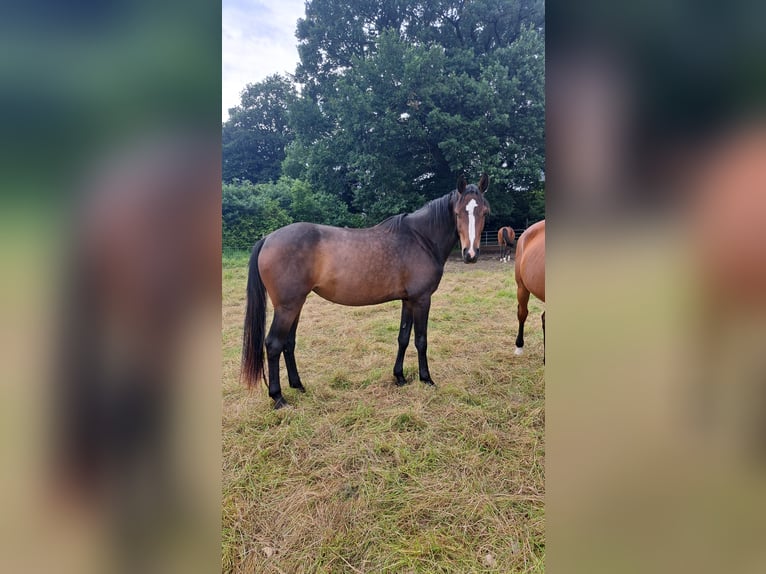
78, 420
255, 323
507, 237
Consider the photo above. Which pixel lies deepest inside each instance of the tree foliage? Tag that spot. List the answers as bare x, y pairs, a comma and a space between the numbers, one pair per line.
401, 96
248, 215
255, 136
251, 211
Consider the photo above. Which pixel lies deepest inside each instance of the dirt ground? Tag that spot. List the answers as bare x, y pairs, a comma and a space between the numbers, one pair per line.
489, 260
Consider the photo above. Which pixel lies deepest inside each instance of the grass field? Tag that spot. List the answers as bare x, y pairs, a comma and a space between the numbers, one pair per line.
361, 476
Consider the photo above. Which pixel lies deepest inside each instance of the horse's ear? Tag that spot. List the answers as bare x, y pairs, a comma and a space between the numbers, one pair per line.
484, 183
461, 183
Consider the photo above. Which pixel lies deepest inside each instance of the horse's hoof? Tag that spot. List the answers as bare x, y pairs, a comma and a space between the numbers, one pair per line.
400, 381
299, 387
428, 382
279, 403
519, 351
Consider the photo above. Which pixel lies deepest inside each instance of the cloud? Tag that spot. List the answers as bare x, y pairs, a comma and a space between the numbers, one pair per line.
258, 41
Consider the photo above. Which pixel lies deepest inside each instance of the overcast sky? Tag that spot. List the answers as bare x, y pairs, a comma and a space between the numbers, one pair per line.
258, 40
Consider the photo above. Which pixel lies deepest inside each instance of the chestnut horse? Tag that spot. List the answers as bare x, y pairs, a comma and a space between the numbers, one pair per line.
505, 237
401, 258
530, 276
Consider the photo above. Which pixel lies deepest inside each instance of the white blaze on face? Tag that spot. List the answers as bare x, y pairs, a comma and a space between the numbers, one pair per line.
471, 226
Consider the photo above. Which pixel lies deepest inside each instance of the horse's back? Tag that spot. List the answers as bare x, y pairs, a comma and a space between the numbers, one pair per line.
530, 260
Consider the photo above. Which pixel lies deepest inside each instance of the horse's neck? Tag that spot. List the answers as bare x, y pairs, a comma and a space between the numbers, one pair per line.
434, 225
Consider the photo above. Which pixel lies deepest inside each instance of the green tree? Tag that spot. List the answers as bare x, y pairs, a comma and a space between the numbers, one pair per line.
400, 96
248, 214
251, 211
302, 203
257, 131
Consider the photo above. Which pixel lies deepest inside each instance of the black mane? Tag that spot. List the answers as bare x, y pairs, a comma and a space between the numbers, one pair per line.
393, 223
432, 226
435, 213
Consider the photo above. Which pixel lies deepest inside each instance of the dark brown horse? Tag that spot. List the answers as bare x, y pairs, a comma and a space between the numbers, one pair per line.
505, 237
530, 275
401, 258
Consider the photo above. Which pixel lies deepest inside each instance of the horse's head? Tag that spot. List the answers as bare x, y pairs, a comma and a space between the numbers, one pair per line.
470, 210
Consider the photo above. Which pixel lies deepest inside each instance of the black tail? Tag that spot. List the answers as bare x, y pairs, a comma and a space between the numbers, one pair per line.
77, 410
255, 323
507, 237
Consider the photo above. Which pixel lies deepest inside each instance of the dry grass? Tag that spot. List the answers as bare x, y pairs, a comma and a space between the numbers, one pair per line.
362, 476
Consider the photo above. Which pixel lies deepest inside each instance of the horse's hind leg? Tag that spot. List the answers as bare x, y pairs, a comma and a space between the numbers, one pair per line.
521, 312
289, 352
276, 341
405, 329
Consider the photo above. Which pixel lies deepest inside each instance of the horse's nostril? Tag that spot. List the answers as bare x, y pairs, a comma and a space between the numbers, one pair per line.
468, 258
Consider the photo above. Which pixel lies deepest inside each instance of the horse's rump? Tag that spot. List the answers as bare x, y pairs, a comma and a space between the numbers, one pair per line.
530, 260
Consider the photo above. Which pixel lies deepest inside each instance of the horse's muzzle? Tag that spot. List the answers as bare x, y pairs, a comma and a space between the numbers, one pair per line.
467, 258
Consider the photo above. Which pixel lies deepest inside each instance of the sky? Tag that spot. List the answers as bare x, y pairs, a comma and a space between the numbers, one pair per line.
258, 41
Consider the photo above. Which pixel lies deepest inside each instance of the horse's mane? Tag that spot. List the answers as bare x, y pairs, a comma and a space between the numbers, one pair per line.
432, 226
392, 224
435, 213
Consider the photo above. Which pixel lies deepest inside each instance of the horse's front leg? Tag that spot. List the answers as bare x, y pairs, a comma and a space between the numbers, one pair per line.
420, 310
405, 328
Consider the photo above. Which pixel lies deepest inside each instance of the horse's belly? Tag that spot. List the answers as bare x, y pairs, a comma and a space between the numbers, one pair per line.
358, 293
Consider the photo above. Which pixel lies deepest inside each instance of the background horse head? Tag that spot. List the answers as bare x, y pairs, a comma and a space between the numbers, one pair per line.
401, 258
